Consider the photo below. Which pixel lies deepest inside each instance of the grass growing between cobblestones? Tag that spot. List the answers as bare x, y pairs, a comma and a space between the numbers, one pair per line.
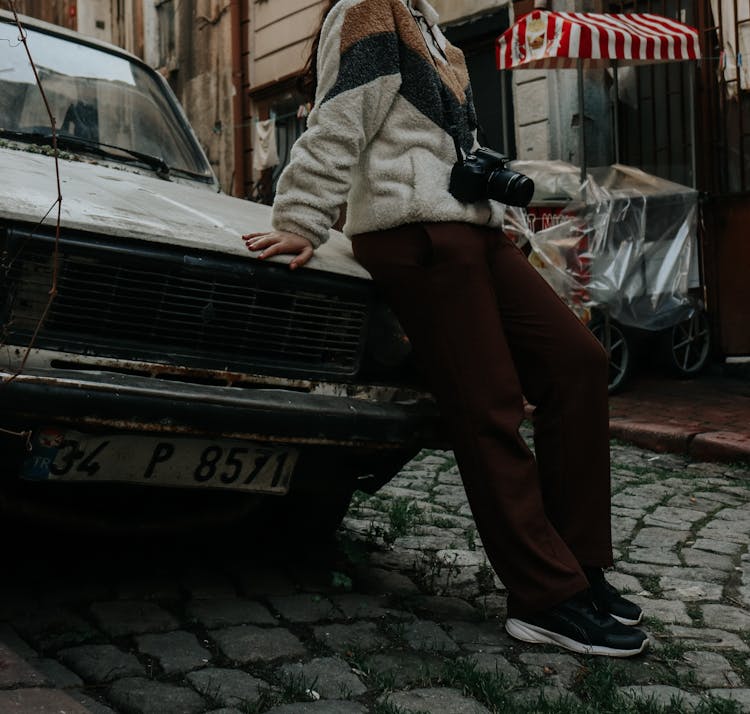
398, 516
595, 691
390, 708
288, 690
740, 664
695, 613
432, 570
402, 515
670, 652
598, 692
471, 538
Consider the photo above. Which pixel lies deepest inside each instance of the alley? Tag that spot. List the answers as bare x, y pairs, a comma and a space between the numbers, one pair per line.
401, 615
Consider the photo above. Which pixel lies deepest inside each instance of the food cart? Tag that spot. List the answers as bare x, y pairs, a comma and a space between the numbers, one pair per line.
619, 245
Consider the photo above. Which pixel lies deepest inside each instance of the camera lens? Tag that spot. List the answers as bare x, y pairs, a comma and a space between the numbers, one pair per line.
510, 187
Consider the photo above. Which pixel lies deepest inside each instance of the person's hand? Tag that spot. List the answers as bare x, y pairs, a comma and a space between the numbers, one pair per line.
278, 242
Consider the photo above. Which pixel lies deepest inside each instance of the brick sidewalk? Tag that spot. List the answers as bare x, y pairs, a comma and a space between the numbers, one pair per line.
707, 417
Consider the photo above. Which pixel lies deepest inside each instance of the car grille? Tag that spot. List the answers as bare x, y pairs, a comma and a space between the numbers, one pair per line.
198, 309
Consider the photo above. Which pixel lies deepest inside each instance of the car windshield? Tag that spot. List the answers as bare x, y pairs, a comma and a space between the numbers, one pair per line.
95, 96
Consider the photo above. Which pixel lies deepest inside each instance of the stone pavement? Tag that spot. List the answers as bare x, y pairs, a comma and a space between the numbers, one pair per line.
401, 615
707, 417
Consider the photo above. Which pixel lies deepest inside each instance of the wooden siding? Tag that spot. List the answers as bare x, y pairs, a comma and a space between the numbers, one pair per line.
58, 12
281, 34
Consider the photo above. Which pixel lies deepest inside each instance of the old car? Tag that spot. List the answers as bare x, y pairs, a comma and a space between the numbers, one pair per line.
153, 371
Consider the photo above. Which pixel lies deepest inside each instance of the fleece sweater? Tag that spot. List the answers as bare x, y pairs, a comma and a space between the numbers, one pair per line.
378, 138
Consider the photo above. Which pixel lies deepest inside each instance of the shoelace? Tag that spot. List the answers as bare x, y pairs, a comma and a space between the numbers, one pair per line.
589, 607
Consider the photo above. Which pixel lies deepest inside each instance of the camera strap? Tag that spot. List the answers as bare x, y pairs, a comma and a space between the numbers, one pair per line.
452, 129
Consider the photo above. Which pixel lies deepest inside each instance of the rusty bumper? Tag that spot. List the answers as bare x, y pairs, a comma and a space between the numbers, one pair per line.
98, 401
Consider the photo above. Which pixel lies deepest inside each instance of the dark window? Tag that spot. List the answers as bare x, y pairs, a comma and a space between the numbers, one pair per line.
492, 89
285, 104
289, 128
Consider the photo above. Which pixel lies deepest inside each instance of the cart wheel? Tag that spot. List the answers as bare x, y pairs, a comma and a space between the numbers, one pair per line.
688, 344
616, 343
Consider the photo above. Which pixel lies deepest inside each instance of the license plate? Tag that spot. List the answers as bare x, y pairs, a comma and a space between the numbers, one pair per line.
60, 455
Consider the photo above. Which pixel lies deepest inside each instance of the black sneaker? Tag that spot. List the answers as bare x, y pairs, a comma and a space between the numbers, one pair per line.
578, 626
607, 599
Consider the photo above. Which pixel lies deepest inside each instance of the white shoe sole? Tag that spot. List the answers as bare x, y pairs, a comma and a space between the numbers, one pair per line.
625, 621
532, 633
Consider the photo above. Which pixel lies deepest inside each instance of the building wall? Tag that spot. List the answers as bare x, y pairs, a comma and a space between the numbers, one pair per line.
216, 68
204, 84
95, 19
453, 10
281, 34
190, 43
546, 102
547, 105
127, 24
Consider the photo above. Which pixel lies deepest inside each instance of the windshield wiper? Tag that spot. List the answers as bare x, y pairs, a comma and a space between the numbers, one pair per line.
66, 141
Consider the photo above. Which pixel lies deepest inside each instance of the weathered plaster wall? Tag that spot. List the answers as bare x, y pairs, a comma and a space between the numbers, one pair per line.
204, 82
95, 19
200, 73
547, 108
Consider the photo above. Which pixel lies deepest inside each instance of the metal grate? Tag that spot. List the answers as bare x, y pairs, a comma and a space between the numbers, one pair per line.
231, 314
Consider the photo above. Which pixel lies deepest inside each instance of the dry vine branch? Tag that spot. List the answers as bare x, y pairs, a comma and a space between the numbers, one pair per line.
58, 201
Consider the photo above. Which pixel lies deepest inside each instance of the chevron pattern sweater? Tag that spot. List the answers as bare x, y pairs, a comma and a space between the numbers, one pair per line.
378, 136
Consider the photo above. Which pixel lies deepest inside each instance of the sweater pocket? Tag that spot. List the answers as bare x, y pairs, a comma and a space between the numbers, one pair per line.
425, 183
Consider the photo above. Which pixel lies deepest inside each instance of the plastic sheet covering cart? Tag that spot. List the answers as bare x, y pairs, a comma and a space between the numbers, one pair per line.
621, 250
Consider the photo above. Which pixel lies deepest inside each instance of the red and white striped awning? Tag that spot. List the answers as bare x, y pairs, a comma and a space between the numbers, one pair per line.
545, 40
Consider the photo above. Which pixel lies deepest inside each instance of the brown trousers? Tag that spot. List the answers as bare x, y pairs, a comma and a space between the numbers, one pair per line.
487, 330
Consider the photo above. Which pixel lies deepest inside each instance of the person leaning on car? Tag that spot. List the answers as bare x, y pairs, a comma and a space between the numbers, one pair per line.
392, 95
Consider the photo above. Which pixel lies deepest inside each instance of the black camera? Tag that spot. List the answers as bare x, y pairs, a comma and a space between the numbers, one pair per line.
485, 174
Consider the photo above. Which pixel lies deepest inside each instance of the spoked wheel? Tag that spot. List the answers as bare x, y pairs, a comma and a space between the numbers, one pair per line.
615, 341
688, 344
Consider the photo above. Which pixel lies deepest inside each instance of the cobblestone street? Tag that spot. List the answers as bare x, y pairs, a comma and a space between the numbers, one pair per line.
402, 615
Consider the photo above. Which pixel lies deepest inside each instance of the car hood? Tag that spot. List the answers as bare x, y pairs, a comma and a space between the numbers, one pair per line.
107, 201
